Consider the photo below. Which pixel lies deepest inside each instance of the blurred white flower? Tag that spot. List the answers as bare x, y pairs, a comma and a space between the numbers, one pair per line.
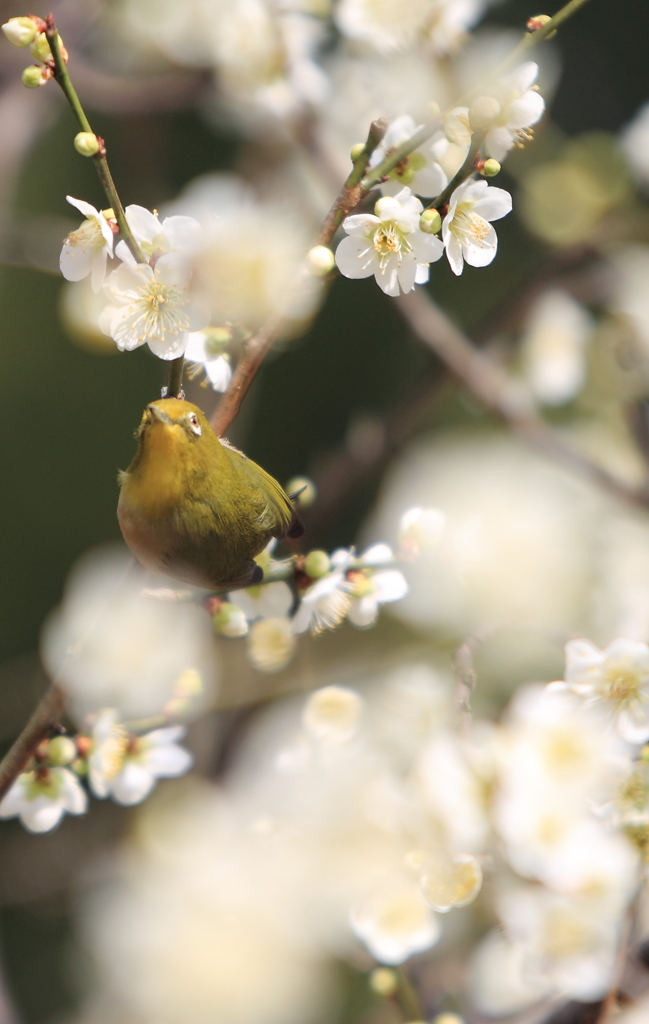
452, 792
229, 619
86, 250
499, 982
246, 276
387, 26
419, 170
326, 602
389, 244
457, 128
553, 347
106, 757
520, 106
448, 883
332, 713
615, 680
271, 643
153, 307
175, 234
40, 798
420, 529
204, 351
635, 144
369, 590
266, 601
466, 230
111, 645
395, 922
630, 295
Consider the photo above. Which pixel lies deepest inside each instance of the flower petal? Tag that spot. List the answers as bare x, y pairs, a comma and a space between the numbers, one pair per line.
144, 225
169, 761
183, 233
454, 255
85, 208
363, 611
174, 270
98, 272
526, 111
360, 223
355, 257
132, 785
75, 263
407, 273
496, 204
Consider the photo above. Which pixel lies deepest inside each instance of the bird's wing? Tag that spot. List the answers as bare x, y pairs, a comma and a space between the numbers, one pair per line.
276, 513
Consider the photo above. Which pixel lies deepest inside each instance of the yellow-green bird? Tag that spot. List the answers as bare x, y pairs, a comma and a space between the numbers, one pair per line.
193, 507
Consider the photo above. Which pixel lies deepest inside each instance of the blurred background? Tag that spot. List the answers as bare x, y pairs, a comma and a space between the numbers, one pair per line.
353, 399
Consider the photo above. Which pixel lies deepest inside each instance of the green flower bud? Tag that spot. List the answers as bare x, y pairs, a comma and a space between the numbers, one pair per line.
308, 488
86, 143
40, 48
385, 202
61, 750
537, 22
20, 31
80, 766
491, 168
384, 981
483, 111
33, 76
316, 564
320, 260
356, 151
229, 620
430, 222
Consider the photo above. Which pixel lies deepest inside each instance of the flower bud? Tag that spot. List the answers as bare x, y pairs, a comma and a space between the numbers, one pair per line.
306, 486
483, 111
320, 260
317, 564
79, 767
86, 143
490, 168
537, 22
384, 203
448, 1018
61, 750
20, 31
430, 222
33, 76
229, 620
384, 981
40, 48
356, 151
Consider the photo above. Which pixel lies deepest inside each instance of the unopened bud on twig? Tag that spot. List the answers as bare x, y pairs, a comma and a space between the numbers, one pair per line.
21, 31
317, 564
384, 981
86, 143
537, 22
320, 260
61, 750
356, 151
34, 75
430, 222
490, 168
40, 48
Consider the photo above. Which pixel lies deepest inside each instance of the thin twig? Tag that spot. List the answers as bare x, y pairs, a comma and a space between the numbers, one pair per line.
495, 388
44, 721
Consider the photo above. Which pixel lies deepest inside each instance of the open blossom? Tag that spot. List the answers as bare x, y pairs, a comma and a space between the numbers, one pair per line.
332, 713
206, 351
86, 250
418, 170
174, 234
395, 922
370, 590
325, 603
389, 244
152, 306
518, 106
128, 767
467, 231
615, 680
41, 798
271, 643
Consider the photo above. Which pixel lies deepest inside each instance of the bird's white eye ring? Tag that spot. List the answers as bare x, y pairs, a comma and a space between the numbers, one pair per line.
194, 424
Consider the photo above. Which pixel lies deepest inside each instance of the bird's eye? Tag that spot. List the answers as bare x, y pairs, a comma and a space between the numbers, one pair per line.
194, 424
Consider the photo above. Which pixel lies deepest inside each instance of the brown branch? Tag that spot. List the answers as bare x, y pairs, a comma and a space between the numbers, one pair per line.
44, 721
495, 388
256, 349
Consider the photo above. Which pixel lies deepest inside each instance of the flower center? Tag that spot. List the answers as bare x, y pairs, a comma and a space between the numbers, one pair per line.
389, 241
468, 226
161, 311
87, 236
621, 686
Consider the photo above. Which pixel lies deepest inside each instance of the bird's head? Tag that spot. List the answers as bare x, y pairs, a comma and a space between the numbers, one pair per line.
173, 424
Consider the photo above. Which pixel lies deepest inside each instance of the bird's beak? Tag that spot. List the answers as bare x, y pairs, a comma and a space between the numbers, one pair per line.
160, 414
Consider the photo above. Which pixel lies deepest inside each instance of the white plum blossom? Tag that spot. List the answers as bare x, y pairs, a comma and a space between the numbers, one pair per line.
106, 757
175, 234
143, 760
615, 681
86, 250
204, 351
389, 26
553, 347
394, 922
325, 604
418, 170
519, 106
467, 231
332, 713
389, 244
153, 307
370, 590
40, 798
